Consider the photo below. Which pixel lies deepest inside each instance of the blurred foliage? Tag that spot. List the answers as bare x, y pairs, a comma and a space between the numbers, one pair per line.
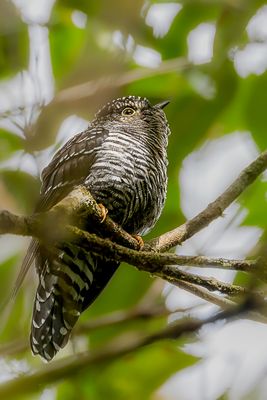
80, 55
121, 377
13, 41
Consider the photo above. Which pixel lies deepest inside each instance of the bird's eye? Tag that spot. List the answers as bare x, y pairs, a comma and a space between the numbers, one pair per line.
128, 111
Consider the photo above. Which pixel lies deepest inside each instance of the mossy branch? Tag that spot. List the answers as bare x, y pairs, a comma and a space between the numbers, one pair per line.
79, 210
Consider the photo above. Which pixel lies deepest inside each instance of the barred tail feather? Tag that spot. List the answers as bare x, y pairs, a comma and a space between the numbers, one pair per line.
67, 286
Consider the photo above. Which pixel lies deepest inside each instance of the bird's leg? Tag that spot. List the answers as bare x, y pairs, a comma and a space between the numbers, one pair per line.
103, 211
139, 240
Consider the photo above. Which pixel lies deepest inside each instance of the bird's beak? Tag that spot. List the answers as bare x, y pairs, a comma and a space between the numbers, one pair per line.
162, 104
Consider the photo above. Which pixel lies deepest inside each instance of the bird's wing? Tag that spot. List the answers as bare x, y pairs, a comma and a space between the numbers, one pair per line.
68, 168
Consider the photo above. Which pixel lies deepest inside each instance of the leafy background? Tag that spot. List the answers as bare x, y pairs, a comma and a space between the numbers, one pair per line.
60, 61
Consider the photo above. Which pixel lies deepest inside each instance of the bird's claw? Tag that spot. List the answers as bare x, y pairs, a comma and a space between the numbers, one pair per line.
139, 240
103, 211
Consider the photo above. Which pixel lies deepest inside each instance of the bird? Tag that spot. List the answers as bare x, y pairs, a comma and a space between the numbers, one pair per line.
121, 158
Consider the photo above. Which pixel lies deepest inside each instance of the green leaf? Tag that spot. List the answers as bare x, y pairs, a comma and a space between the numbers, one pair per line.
13, 41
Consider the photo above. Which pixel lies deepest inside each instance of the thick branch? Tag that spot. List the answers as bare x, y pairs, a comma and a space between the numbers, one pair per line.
80, 206
31, 226
154, 263
10, 223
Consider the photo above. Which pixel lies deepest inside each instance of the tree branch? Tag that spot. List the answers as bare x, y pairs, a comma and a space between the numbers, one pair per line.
174, 274
80, 208
213, 210
149, 262
205, 294
84, 205
31, 226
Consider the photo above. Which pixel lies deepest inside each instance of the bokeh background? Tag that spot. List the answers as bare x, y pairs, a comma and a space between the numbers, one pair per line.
61, 60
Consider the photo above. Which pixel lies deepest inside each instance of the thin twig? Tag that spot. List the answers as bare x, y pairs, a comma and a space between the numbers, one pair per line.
174, 274
205, 294
150, 263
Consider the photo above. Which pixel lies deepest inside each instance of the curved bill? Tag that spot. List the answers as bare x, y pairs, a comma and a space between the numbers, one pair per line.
162, 104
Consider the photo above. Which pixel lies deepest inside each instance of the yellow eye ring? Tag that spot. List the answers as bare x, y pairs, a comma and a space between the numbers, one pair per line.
128, 111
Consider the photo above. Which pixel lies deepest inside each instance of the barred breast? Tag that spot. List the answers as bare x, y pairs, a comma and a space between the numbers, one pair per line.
129, 177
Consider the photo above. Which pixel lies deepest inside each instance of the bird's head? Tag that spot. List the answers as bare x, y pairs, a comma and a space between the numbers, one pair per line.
134, 113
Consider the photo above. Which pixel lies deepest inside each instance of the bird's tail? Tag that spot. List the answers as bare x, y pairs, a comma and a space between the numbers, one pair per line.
67, 286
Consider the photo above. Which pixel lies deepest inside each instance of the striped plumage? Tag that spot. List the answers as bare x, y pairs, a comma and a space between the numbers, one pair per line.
121, 158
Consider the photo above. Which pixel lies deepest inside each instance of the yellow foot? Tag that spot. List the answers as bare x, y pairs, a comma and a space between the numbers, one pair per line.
104, 212
139, 240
